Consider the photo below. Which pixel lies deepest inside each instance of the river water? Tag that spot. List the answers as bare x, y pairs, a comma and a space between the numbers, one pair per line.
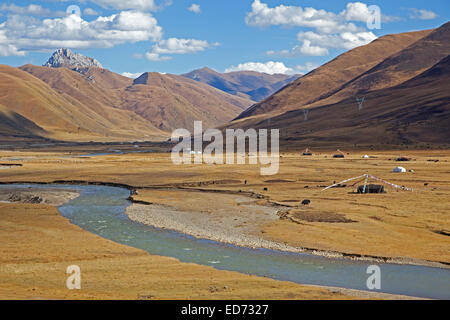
101, 210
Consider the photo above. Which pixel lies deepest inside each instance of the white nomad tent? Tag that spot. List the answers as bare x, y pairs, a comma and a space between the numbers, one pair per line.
399, 170
365, 156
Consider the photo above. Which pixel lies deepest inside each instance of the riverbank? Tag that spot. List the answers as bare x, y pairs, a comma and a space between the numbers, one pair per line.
53, 197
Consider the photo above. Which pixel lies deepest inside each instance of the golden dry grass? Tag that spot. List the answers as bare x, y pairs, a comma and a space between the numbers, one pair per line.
395, 225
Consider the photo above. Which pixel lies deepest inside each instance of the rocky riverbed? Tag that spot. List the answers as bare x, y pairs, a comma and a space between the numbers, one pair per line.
238, 225
53, 197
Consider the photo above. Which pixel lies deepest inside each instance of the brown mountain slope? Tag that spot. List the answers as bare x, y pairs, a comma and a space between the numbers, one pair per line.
164, 101
248, 84
416, 112
334, 74
13, 124
61, 115
105, 78
398, 68
170, 102
88, 89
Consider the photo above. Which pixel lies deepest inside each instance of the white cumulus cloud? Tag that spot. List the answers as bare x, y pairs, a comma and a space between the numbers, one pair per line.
356, 11
90, 12
162, 48
156, 57
310, 50
330, 30
28, 33
10, 50
344, 40
328, 22
180, 46
195, 8
7, 49
143, 5
270, 67
422, 14
32, 9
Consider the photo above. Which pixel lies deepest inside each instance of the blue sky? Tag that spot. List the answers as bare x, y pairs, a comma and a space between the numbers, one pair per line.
177, 36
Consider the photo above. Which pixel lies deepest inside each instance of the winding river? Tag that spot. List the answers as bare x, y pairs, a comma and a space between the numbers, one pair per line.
101, 210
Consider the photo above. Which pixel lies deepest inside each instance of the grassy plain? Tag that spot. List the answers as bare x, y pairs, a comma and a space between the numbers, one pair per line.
398, 224
406, 225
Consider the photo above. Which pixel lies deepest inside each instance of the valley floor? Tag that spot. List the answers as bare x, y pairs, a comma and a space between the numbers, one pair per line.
404, 226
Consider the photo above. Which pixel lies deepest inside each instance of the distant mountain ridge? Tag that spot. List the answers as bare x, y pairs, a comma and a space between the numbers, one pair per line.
170, 101
248, 84
416, 112
72, 97
65, 111
403, 77
398, 68
329, 78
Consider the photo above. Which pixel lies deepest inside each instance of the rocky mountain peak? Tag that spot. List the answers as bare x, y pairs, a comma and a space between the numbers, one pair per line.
66, 58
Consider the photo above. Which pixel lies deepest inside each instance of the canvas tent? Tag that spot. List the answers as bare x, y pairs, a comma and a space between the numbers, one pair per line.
338, 155
366, 178
399, 170
371, 188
